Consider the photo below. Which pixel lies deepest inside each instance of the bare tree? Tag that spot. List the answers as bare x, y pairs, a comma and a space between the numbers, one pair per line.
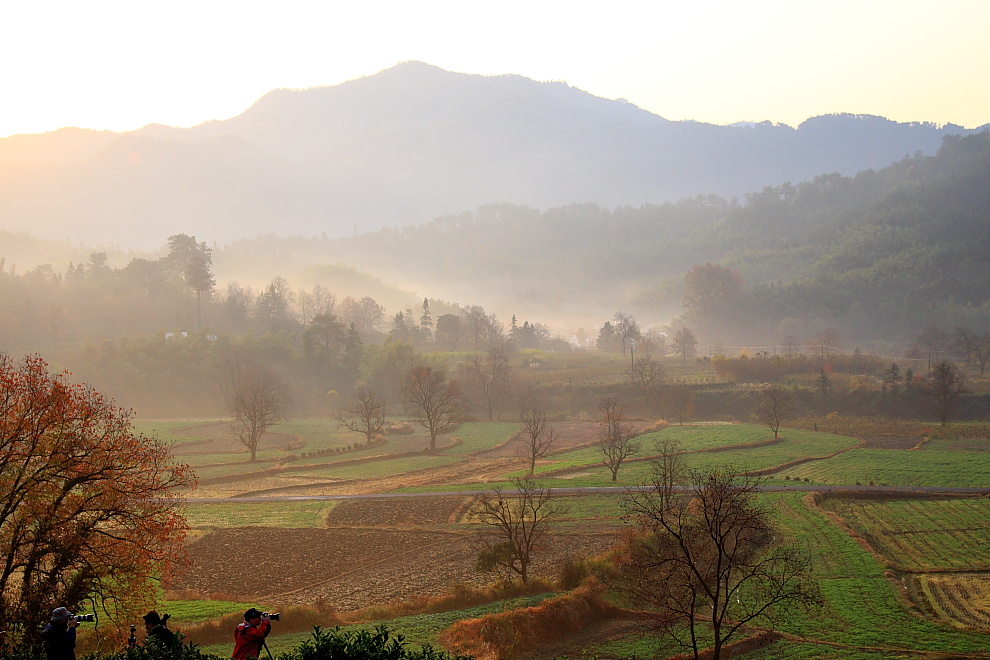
490, 378
365, 314
626, 327
680, 397
652, 342
944, 386
319, 302
975, 347
776, 407
539, 435
255, 396
647, 374
365, 413
706, 557
614, 435
436, 401
935, 340
518, 520
668, 467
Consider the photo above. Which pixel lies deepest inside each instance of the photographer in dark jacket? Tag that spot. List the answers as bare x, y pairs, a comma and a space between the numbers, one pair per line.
158, 632
60, 635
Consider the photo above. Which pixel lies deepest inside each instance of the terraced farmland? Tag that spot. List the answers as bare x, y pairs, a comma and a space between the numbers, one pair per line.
929, 466
922, 535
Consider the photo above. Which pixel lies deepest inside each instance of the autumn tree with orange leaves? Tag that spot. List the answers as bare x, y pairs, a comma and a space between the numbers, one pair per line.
89, 514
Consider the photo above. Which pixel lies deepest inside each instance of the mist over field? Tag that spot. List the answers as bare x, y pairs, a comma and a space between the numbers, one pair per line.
527, 198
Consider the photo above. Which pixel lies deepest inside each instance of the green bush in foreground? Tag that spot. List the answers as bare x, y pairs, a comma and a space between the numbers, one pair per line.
337, 644
361, 645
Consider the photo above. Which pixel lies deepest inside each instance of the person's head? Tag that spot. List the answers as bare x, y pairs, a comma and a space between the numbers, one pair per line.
61, 615
151, 619
253, 616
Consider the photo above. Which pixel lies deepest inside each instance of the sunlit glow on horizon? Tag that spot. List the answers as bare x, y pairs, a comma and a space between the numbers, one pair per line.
120, 65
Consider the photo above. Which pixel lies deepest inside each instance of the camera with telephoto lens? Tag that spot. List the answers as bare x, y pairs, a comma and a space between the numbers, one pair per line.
84, 617
273, 616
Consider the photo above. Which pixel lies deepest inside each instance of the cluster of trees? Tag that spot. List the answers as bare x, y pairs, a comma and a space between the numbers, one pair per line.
875, 253
871, 254
177, 292
623, 334
134, 343
47, 309
764, 367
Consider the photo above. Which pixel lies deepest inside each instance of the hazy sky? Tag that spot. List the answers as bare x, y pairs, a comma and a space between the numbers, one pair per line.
123, 64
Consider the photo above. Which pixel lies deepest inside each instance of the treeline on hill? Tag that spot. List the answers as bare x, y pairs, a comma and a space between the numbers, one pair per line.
152, 333
874, 255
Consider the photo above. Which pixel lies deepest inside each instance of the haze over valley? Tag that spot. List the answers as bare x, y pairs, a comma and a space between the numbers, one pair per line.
531, 199
445, 331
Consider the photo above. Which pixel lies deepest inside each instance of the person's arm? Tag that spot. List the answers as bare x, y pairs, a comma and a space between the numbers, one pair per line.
256, 634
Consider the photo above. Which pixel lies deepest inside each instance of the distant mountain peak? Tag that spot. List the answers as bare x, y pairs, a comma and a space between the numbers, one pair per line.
408, 144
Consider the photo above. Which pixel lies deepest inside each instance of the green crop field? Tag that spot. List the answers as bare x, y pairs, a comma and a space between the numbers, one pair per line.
923, 535
862, 608
172, 432
475, 436
317, 433
224, 465
692, 438
592, 507
381, 468
193, 611
790, 650
794, 444
925, 467
866, 615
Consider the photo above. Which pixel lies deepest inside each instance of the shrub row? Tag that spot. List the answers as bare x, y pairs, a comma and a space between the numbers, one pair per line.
331, 451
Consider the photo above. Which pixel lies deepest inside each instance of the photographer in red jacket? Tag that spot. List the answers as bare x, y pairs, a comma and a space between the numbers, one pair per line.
249, 637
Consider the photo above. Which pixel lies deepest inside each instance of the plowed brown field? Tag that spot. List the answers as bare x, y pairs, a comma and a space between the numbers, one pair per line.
373, 551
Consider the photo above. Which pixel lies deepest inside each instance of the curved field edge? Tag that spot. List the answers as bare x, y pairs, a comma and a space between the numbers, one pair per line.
863, 608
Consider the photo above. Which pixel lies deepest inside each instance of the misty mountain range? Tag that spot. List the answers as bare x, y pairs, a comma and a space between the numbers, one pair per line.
404, 146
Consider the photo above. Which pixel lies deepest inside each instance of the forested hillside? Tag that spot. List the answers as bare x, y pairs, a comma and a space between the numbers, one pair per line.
881, 253
878, 254
876, 257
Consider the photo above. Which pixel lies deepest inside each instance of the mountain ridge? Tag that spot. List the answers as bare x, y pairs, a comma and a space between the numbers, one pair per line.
404, 146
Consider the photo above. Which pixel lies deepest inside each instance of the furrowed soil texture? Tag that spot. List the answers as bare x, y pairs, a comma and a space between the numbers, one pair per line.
373, 551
